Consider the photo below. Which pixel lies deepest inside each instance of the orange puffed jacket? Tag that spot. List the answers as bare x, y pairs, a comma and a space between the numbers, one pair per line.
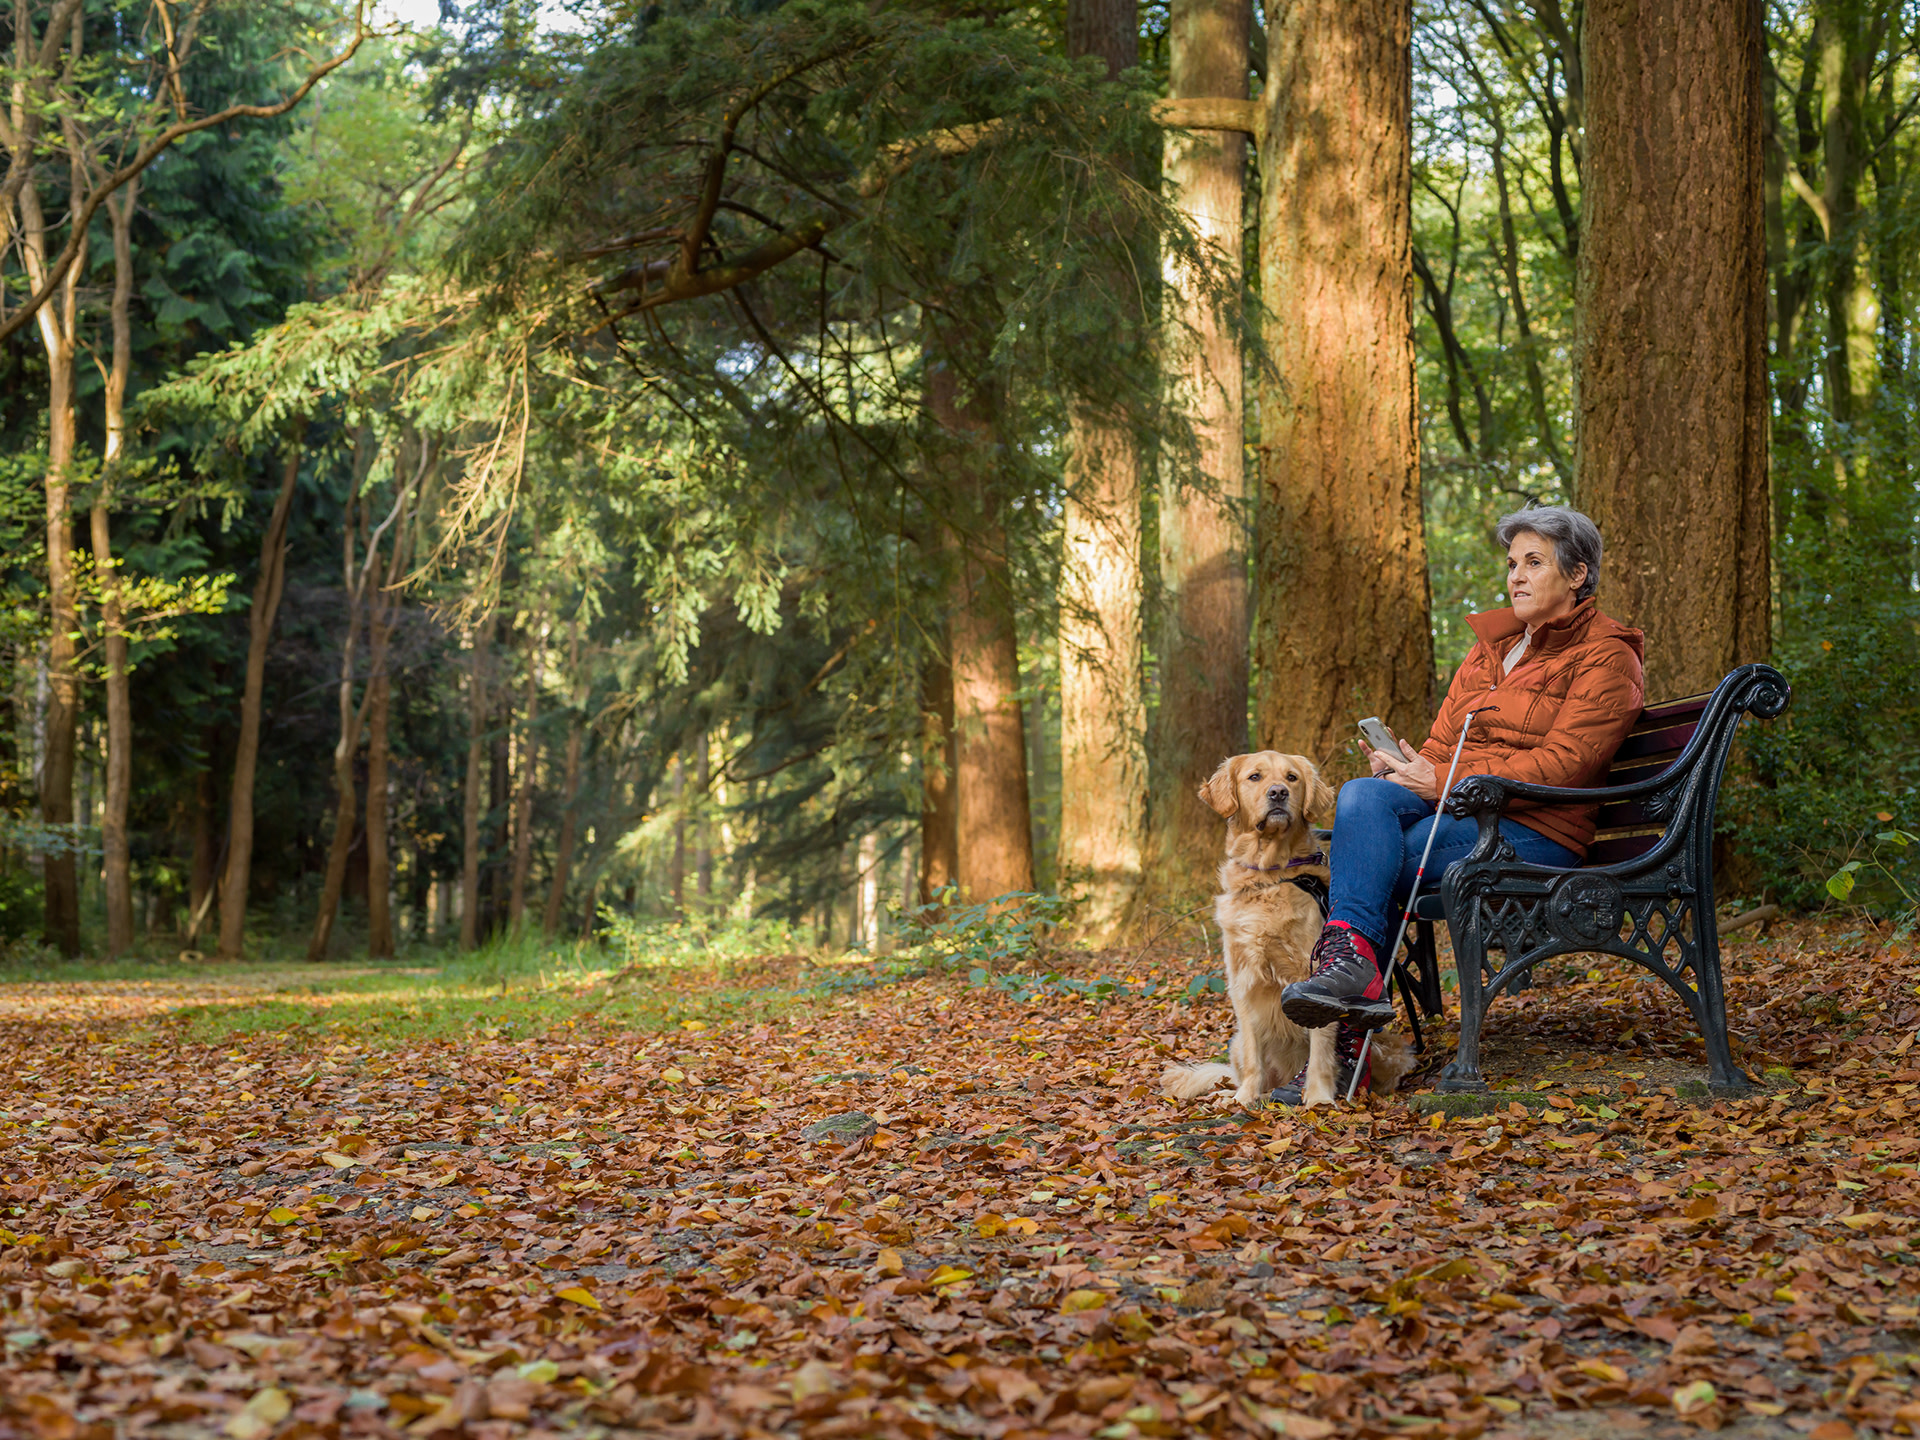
1562, 712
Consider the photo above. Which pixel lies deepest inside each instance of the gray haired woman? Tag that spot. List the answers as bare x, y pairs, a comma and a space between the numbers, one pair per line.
1564, 685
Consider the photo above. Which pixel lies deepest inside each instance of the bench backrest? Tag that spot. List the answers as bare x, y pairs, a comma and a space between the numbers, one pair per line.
1658, 736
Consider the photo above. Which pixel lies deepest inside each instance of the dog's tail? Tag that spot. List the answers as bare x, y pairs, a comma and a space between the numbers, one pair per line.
1185, 1082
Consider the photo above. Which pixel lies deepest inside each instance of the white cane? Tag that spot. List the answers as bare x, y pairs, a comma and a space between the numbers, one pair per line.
1393, 951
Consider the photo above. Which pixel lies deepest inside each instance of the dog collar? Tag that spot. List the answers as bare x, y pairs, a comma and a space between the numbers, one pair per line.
1317, 858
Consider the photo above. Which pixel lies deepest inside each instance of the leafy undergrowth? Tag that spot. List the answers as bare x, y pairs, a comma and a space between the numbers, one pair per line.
339, 1220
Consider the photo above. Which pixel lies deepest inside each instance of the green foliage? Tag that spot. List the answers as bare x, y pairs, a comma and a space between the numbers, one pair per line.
1843, 883
986, 936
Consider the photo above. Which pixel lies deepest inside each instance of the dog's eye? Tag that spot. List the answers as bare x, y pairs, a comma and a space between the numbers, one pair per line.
1254, 776
1292, 776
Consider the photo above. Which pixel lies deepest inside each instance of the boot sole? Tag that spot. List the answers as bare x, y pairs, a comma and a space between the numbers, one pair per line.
1311, 1011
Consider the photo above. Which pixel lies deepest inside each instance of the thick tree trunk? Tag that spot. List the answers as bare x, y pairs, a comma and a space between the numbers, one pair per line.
267, 589
1103, 770
1342, 630
116, 857
1201, 648
990, 748
471, 797
1671, 350
939, 826
526, 762
563, 849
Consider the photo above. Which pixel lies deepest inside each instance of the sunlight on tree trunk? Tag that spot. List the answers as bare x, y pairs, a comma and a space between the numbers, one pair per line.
1673, 332
267, 589
1103, 772
1343, 623
1201, 652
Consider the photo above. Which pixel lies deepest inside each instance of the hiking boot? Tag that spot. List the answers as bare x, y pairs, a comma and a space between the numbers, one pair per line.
1346, 984
1346, 1049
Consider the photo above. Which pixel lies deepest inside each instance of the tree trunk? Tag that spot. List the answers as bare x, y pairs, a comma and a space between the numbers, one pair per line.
347, 798
1671, 351
1342, 569
56, 320
677, 873
267, 589
1103, 770
471, 807
1201, 650
499, 798
939, 827
526, 761
990, 748
378, 704
116, 857
563, 850
200, 876
703, 828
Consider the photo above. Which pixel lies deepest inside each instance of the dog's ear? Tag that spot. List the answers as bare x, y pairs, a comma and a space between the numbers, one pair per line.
1220, 791
1319, 802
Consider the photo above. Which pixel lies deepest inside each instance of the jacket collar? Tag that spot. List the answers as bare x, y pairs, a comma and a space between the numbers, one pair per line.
1495, 626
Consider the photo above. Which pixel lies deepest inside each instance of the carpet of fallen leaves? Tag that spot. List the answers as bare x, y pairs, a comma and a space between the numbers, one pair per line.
1007, 1232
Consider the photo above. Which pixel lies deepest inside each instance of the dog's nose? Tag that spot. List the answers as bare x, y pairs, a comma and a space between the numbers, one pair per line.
1276, 792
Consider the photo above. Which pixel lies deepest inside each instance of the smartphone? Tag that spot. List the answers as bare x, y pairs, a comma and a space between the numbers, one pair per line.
1379, 737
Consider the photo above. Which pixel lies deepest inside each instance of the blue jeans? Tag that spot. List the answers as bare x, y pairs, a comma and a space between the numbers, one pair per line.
1379, 830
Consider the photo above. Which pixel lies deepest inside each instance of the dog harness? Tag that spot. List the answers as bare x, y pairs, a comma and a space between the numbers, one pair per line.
1312, 884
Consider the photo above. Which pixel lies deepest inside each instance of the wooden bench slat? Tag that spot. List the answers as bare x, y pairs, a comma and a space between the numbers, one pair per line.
1649, 742
1669, 711
1623, 847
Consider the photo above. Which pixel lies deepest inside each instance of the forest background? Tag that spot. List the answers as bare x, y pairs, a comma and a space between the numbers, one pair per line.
608, 464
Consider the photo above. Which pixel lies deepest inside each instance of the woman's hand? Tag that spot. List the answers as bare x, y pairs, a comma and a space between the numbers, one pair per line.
1412, 771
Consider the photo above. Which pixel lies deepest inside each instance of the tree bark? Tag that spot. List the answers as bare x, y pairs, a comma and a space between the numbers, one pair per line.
471, 806
569, 822
378, 704
56, 321
200, 876
347, 798
116, 856
1103, 771
939, 827
990, 748
677, 868
1201, 650
526, 760
703, 827
1671, 349
267, 589
1342, 566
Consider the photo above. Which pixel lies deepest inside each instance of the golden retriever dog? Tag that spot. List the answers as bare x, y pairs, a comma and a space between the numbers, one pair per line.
1268, 927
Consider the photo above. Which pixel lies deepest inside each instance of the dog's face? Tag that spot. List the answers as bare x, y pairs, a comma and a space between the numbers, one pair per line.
1267, 791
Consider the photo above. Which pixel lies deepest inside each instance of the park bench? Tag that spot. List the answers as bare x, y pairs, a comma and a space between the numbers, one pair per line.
1644, 892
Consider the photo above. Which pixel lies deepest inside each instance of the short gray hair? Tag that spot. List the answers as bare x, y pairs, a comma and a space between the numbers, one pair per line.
1576, 539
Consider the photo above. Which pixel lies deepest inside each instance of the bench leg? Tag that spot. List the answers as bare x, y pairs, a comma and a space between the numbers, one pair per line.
1723, 1076
1469, 956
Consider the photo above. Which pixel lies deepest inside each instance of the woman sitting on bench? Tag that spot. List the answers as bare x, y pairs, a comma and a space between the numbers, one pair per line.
1553, 686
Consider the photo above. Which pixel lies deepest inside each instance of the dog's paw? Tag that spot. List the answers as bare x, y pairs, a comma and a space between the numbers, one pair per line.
1248, 1097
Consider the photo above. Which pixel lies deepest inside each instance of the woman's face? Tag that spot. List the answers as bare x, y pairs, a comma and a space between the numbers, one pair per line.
1540, 590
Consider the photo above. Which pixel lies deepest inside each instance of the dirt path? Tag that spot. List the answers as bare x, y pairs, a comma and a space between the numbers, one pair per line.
597, 1230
